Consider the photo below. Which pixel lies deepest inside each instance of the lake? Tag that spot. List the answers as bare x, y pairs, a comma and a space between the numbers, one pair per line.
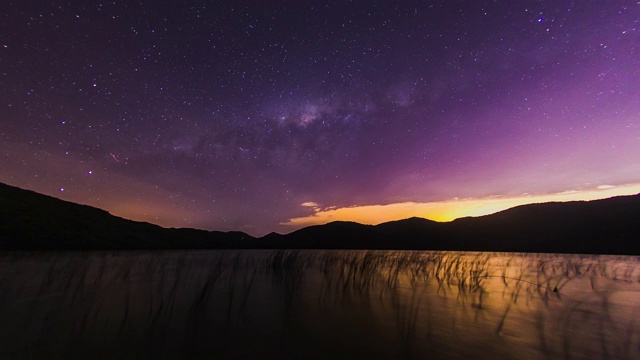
319, 305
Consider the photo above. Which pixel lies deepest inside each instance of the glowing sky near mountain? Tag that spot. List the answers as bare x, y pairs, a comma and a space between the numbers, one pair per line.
232, 116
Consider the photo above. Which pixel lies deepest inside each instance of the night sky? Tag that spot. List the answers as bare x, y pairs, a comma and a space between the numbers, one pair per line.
269, 116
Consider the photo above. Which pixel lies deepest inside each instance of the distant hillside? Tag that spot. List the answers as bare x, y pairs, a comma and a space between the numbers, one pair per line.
609, 226
31, 221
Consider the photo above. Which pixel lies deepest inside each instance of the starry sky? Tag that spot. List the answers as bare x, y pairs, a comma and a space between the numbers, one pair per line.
270, 116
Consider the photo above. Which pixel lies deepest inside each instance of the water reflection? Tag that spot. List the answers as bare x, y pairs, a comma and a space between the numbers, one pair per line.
318, 304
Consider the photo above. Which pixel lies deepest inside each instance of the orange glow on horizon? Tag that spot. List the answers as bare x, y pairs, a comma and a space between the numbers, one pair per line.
449, 210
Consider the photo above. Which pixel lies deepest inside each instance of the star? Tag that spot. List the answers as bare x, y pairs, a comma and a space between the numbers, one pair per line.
266, 107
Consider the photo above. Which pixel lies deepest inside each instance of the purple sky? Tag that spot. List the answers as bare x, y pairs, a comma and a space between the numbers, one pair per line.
232, 116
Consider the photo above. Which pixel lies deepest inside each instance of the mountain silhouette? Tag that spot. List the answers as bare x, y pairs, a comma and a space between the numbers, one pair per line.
32, 221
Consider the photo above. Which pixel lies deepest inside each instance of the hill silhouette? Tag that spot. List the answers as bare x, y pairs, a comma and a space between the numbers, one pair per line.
32, 221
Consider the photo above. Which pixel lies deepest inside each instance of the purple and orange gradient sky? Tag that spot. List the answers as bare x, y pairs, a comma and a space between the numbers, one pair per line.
269, 116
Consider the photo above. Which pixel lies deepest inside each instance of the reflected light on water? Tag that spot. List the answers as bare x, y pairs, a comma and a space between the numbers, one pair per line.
330, 304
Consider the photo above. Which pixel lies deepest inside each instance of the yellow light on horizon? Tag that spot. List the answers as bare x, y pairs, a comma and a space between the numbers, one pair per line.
449, 210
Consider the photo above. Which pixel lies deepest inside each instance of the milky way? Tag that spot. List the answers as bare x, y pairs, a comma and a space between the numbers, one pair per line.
244, 116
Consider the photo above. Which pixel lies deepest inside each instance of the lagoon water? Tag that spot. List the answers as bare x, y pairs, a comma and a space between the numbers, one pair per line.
319, 305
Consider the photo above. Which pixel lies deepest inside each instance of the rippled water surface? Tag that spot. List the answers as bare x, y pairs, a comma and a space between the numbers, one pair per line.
319, 304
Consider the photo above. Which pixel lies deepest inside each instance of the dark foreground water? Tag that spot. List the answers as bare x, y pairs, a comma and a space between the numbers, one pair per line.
319, 304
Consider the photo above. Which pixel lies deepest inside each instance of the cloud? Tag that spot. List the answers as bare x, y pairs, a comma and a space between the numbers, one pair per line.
605, 187
448, 210
315, 206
